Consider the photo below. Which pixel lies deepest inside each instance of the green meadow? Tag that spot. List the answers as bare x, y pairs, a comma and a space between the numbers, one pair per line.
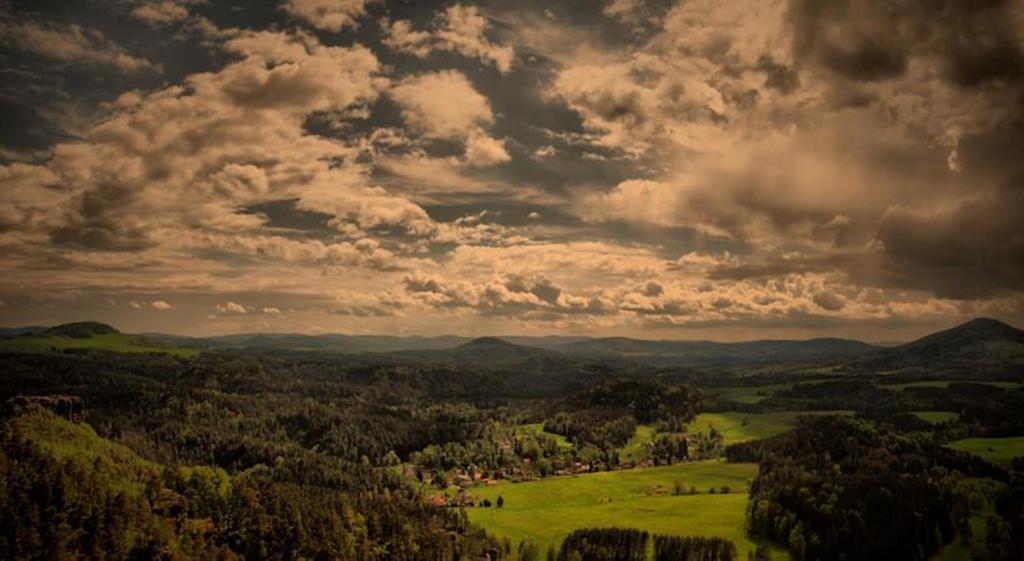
746, 394
545, 511
936, 417
946, 383
756, 394
538, 428
742, 427
634, 450
995, 450
114, 342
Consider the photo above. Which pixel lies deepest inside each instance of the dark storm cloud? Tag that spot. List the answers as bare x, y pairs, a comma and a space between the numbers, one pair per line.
970, 251
977, 41
854, 39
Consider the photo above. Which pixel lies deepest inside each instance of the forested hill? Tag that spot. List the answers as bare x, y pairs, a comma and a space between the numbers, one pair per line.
68, 493
710, 353
980, 345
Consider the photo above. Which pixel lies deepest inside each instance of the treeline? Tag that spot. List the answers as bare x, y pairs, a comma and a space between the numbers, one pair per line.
675, 548
618, 544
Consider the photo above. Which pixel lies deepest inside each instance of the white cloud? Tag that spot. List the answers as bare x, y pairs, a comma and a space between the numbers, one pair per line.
545, 152
330, 15
161, 13
442, 104
460, 29
155, 304
232, 308
482, 150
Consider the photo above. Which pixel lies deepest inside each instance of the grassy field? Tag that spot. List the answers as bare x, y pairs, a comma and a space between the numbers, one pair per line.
538, 428
995, 450
115, 342
755, 394
946, 383
741, 427
634, 450
936, 417
745, 394
545, 511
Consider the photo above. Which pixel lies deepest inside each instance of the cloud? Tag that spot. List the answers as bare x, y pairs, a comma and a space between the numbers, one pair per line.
973, 44
845, 138
511, 295
31, 197
622, 9
482, 150
460, 29
973, 249
329, 15
445, 106
658, 166
545, 151
176, 150
442, 104
161, 13
67, 43
233, 308
400, 36
155, 304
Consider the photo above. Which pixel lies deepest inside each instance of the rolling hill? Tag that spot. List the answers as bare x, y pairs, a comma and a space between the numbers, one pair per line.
711, 353
973, 346
87, 336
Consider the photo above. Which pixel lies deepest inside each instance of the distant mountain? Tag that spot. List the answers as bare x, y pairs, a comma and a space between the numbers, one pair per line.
15, 331
979, 341
81, 329
711, 353
338, 343
522, 370
486, 351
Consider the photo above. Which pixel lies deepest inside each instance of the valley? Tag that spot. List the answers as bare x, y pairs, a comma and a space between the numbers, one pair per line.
515, 452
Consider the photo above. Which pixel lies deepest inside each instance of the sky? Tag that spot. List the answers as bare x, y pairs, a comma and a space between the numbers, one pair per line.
650, 168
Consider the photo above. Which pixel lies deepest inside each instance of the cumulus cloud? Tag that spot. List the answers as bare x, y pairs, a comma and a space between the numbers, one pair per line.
330, 15
233, 308
159, 305
856, 136
687, 165
170, 161
510, 295
482, 150
460, 29
161, 13
444, 105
